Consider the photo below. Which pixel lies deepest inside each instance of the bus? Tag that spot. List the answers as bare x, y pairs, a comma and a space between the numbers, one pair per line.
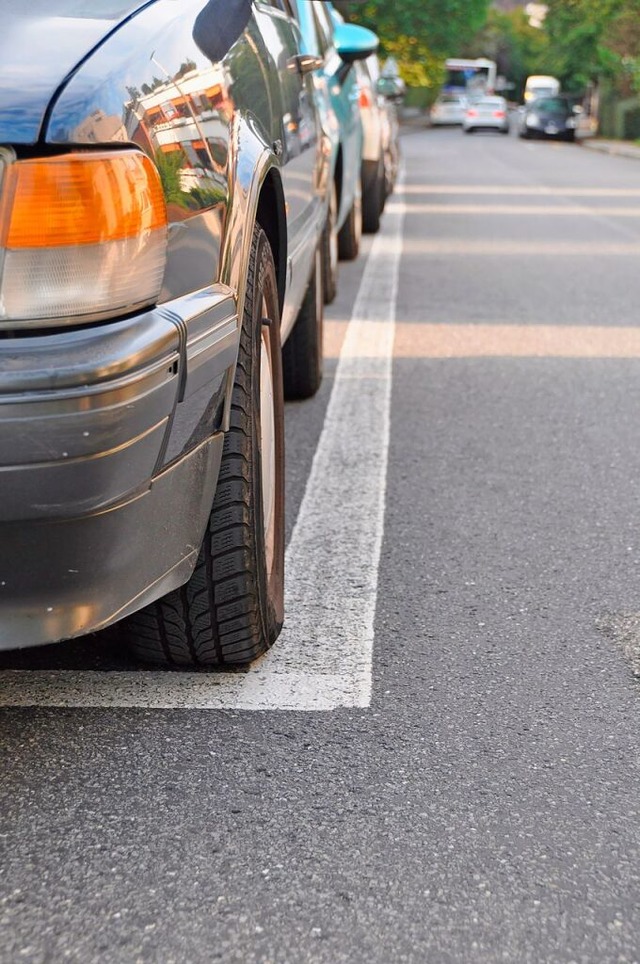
471, 77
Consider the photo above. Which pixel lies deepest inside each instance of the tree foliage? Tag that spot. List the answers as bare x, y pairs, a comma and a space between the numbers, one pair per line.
577, 34
517, 48
419, 33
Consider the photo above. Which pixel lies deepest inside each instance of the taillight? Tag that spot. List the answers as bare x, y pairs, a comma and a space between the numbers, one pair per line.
82, 236
472, 113
498, 113
364, 98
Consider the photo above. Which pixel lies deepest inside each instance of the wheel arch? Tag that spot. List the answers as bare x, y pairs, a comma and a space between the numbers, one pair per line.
271, 217
256, 196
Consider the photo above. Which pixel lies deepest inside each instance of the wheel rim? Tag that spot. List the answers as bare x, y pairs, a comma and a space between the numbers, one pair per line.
267, 442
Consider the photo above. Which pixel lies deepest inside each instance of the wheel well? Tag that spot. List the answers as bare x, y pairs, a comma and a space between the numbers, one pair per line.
271, 218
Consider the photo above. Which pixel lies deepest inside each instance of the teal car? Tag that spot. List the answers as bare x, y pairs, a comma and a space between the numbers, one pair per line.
336, 47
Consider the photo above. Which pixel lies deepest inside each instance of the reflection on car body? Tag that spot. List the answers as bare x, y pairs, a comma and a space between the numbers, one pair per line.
180, 171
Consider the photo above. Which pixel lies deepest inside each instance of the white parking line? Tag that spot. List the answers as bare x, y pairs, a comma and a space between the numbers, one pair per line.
323, 659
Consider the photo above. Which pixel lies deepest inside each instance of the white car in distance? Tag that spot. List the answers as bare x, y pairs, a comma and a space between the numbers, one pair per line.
488, 114
448, 109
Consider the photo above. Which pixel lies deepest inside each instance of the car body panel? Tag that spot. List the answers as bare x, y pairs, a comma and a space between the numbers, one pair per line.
121, 424
78, 28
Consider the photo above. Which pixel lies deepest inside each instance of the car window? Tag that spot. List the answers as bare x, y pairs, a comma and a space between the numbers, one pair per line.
551, 103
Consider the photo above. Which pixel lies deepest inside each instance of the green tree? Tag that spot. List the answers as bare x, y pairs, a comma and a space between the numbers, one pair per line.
420, 33
518, 48
577, 34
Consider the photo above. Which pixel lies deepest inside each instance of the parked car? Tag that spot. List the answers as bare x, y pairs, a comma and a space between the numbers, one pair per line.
448, 109
161, 221
380, 152
554, 117
336, 47
487, 113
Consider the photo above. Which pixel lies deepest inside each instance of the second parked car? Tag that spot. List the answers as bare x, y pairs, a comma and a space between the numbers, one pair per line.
336, 47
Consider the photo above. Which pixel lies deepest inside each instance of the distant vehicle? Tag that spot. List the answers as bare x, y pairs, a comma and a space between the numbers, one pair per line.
540, 85
489, 114
554, 117
448, 109
473, 78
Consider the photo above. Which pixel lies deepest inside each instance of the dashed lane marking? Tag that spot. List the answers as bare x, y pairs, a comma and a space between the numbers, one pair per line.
323, 659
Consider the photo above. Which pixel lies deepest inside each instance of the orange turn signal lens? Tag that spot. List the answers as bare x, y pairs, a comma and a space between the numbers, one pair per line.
80, 199
82, 237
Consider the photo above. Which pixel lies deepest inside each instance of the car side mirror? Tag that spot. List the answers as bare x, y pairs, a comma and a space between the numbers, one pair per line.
392, 88
354, 43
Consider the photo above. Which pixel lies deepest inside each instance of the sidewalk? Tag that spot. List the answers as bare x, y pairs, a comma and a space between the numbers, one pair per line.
619, 148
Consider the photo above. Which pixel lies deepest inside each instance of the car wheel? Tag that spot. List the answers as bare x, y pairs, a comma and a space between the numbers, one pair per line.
302, 354
469, 130
329, 246
232, 608
372, 195
351, 231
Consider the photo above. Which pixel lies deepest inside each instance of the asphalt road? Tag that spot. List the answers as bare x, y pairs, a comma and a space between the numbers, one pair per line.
482, 803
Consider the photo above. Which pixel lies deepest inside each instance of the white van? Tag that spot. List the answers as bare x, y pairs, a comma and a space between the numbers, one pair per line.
540, 85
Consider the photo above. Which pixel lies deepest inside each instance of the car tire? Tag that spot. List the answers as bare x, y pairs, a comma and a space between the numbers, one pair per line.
351, 231
302, 354
232, 608
329, 248
372, 195
469, 130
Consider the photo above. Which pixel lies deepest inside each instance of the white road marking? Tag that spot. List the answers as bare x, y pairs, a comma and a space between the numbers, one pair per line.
504, 190
323, 659
528, 210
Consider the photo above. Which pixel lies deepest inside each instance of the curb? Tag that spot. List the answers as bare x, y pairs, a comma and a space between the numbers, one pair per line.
616, 148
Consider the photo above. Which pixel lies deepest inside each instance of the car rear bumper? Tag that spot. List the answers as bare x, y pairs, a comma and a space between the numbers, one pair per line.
92, 524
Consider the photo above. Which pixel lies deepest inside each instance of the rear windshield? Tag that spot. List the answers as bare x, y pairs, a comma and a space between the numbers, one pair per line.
449, 99
551, 103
